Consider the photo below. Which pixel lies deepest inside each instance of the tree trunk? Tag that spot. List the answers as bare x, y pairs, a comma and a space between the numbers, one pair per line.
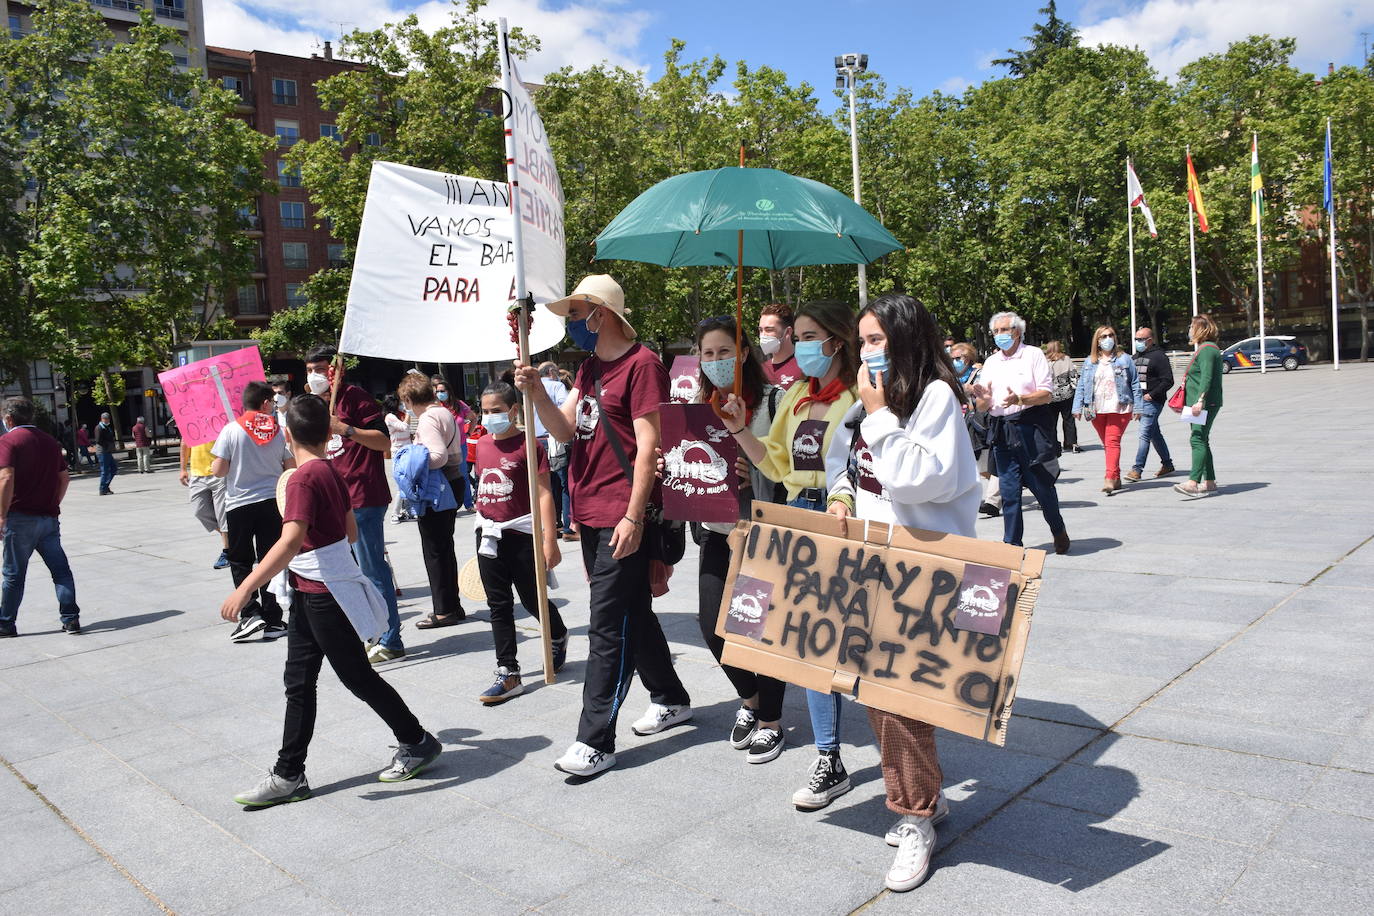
1364, 332
787, 286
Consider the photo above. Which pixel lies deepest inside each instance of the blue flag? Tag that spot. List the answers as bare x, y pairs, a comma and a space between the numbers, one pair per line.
1330, 195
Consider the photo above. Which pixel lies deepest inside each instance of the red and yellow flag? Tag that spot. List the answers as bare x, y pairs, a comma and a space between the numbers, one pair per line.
1195, 196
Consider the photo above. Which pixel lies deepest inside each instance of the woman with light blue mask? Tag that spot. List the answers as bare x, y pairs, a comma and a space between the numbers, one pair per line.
793, 452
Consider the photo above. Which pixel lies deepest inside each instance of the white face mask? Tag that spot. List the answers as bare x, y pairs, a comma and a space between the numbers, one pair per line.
770, 345
317, 382
280, 400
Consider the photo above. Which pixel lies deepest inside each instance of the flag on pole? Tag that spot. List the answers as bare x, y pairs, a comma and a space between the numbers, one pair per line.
1329, 197
1136, 195
1195, 196
1256, 183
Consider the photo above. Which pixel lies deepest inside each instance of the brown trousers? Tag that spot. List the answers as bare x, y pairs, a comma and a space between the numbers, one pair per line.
911, 765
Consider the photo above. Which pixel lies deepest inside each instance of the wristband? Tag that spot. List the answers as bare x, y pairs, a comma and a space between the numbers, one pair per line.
639, 524
734, 432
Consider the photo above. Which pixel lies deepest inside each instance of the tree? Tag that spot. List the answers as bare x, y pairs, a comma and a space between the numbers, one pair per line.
1045, 38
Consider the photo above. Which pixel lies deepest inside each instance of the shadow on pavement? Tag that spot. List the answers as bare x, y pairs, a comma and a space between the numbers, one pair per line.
123, 623
1083, 546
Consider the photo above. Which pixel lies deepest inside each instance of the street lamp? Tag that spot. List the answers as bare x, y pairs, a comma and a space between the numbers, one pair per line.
847, 69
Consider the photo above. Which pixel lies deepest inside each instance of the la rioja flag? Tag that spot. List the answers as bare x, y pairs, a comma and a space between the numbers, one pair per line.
1136, 195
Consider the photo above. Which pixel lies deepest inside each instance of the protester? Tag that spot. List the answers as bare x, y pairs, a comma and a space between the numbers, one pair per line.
949, 345
359, 438
399, 431
758, 722
33, 482
105, 444
281, 395
505, 536
440, 434
205, 492
1108, 395
557, 451
902, 456
612, 414
250, 455
143, 446
83, 445
1156, 380
1015, 390
793, 453
1202, 392
778, 346
1064, 382
334, 607
968, 371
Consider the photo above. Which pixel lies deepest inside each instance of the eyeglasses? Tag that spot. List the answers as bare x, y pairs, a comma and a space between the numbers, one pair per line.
719, 318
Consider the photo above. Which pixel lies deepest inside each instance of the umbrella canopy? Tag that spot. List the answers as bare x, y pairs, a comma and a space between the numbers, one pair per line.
695, 219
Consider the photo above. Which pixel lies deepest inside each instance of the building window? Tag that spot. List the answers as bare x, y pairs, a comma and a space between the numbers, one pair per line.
16, 28
171, 9
288, 175
135, 5
330, 132
294, 297
288, 132
181, 60
374, 139
294, 256
248, 217
292, 214
284, 92
234, 84
248, 301
336, 256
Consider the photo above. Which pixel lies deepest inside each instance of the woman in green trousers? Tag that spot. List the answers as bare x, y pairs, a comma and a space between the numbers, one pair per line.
1202, 391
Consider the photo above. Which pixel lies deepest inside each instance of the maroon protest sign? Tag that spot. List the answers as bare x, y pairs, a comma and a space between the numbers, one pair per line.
684, 382
699, 479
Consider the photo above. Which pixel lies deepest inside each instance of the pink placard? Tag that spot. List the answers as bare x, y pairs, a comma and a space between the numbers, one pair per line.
208, 393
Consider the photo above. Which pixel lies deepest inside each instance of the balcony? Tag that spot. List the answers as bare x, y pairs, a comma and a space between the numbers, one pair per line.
259, 268
251, 224
168, 10
339, 262
132, 6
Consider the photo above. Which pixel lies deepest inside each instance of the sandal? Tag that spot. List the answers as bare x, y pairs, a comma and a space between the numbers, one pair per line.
435, 620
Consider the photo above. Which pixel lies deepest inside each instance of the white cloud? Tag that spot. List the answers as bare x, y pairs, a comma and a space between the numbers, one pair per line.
1175, 32
580, 34
955, 85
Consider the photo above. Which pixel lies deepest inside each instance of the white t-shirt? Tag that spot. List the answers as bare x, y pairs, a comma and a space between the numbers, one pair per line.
253, 468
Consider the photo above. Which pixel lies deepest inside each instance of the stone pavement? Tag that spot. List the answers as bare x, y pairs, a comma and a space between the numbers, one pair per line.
1193, 731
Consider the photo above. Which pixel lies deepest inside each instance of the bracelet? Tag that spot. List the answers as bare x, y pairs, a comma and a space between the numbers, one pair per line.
734, 432
637, 524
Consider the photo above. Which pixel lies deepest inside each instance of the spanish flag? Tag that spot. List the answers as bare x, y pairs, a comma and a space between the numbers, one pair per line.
1195, 196
1256, 182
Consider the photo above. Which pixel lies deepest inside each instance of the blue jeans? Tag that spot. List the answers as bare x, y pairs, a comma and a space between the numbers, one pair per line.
567, 521
108, 468
370, 551
1151, 433
23, 535
1014, 470
824, 707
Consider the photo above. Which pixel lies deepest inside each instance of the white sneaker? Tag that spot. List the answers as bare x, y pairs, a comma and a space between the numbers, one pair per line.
894, 833
912, 861
658, 717
584, 760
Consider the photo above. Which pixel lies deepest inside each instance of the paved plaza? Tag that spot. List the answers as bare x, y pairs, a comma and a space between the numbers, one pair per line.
1193, 730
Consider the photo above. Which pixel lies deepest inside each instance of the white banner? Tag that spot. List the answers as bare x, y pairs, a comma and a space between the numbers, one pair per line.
434, 272
541, 197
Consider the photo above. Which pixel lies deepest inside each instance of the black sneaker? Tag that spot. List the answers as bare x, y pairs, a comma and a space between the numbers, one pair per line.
767, 746
248, 628
71, 626
988, 510
746, 723
274, 631
8, 632
828, 782
412, 759
560, 653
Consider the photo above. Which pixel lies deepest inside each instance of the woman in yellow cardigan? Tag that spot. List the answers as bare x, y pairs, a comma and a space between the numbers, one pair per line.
793, 453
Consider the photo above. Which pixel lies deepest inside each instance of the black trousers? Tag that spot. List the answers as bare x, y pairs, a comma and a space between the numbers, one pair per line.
441, 563
252, 530
714, 565
319, 629
513, 566
1065, 410
623, 637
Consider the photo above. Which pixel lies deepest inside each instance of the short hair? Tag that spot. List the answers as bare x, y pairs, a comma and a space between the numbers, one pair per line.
970, 354
782, 310
415, 390
307, 418
282, 380
140, 420
1203, 328
503, 390
105, 415
391, 404
1017, 321
324, 353
547, 370
254, 393
21, 408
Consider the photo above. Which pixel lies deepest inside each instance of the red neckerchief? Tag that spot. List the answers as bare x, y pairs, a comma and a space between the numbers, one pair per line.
260, 427
826, 395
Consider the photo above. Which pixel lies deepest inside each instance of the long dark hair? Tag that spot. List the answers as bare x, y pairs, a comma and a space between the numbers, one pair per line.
754, 379
916, 354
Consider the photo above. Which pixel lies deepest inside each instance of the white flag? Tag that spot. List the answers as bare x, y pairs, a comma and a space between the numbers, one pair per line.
541, 197
434, 273
1136, 195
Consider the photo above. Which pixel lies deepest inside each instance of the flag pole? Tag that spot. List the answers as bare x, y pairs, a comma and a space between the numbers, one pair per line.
1331, 215
1192, 250
1130, 246
1259, 263
524, 307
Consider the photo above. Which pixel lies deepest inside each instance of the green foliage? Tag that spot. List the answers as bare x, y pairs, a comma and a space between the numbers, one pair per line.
1045, 38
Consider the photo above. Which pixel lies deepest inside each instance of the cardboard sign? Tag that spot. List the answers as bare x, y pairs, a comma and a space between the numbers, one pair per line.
808, 452
876, 612
208, 393
699, 479
684, 383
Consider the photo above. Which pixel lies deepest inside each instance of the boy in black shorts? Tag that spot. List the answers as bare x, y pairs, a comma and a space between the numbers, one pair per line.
334, 609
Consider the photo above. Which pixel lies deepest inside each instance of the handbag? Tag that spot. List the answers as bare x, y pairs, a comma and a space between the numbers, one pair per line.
1179, 396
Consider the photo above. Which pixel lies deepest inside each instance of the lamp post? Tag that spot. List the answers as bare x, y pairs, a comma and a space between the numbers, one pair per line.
847, 69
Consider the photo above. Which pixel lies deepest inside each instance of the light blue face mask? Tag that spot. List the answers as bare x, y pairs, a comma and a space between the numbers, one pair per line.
811, 360
1107, 344
720, 372
959, 366
443, 397
496, 423
1003, 341
1140, 346
875, 360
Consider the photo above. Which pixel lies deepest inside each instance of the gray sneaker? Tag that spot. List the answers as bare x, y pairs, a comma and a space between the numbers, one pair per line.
274, 790
412, 759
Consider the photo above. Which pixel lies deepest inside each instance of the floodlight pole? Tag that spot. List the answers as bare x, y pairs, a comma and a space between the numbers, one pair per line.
850, 66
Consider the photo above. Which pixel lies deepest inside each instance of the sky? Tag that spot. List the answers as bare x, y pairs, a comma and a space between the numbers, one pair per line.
917, 44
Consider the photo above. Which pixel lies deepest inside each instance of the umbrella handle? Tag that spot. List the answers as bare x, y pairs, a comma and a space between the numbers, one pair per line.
717, 403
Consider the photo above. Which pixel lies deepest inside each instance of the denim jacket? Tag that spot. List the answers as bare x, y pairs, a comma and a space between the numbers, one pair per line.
1127, 384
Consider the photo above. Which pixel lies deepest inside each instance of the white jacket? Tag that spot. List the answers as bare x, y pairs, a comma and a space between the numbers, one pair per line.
335, 566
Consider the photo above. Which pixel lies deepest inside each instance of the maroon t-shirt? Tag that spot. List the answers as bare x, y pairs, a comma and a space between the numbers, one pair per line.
632, 386
503, 490
317, 495
140, 433
37, 461
784, 374
362, 468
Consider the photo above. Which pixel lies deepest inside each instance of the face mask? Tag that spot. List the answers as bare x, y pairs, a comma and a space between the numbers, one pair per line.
317, 382
947, 349
582, 338
770, 345
721, 372
443, 397
496, 423
1106, 344
811, 360
1140, 346
876, 360
959, 366
279, 400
